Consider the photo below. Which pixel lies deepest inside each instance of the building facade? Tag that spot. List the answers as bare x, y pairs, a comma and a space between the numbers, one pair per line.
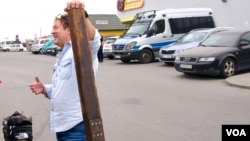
107, 24
233, 13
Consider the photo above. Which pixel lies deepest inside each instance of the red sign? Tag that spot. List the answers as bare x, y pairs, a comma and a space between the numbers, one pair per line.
123, 5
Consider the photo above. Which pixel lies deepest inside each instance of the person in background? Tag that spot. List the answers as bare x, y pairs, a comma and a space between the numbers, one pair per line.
66, 114
100, 51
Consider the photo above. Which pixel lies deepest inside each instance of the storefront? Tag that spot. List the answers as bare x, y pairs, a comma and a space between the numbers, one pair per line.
107, 24
231, 13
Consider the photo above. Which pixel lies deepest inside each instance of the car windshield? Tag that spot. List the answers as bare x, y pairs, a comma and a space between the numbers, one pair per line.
192, 37
221, 40
139, 28
110, 40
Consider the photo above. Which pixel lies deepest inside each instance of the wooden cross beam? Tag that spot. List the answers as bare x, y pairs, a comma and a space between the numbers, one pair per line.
85, 76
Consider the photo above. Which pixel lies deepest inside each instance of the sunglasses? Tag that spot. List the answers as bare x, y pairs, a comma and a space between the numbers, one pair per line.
62, 16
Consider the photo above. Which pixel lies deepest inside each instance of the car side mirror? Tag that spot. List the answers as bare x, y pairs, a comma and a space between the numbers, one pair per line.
243, 43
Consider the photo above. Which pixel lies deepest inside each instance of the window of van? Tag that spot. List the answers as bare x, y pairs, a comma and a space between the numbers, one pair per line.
7, 42
184, 25
159, 26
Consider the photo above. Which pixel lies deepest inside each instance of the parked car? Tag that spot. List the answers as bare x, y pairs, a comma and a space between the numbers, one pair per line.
6, 43
37, 47
47, 45
107, 47
29, 44
189, 40
222, 54
53, 50
13, 47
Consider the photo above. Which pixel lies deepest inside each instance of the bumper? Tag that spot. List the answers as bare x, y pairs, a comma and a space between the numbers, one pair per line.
107, 53
49, 51
132, 55
205, 68
35, 49
167, 58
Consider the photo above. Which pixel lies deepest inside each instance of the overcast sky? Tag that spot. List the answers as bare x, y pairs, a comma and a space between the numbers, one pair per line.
29, 17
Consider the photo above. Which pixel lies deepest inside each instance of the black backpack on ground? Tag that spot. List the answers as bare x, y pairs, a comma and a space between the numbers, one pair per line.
17, 127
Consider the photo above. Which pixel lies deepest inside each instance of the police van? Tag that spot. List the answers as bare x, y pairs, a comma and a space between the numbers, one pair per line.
154, 29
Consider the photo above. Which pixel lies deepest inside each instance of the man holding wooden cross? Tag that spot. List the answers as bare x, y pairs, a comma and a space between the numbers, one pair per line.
66, 114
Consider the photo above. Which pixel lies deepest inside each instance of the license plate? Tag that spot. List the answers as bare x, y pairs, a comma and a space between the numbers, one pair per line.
166, 56
184, 66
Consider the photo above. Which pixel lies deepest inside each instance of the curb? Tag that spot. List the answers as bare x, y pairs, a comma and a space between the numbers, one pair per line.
240, 81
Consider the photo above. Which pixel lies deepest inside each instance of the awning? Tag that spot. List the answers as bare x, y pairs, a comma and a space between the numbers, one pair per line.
127, 19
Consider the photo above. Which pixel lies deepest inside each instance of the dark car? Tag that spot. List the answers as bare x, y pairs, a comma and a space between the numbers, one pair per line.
189, 40
53, 50
222, 54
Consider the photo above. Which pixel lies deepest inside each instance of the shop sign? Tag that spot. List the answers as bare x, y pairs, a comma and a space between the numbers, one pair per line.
101, 22
123, 5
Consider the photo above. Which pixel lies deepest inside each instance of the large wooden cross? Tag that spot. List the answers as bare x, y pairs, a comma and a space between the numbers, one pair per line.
85, 76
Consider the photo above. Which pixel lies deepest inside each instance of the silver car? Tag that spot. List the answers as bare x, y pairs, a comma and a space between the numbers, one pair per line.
189, 40
37, 47
107, 47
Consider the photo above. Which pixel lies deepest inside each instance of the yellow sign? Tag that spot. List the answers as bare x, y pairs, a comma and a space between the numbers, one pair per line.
129, 4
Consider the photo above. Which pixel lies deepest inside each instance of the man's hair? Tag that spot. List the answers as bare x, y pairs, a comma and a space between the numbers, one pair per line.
64, 19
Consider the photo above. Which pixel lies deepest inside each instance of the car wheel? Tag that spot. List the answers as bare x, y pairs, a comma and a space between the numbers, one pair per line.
125, 60
228, 68
145, 56
7, 50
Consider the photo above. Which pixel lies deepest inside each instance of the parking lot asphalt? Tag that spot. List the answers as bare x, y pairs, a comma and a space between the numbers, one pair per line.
240, 80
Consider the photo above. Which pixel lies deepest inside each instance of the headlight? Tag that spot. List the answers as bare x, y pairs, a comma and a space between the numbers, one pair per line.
207, 59
130, 45
181, 50
177, 58
160, 51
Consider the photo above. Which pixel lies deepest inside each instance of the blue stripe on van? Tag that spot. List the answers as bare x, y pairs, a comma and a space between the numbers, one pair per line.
157, 45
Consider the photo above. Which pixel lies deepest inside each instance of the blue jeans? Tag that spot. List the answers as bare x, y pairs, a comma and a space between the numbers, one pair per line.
77, 133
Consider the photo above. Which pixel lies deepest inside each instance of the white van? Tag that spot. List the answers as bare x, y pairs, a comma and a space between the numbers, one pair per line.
11, 45
6, 43
152, 30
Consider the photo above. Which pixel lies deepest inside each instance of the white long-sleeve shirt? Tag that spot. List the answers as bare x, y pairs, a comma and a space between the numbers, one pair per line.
63, 93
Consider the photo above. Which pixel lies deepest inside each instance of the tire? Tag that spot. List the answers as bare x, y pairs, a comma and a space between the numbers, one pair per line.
125, 60
228, 68
146, 56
